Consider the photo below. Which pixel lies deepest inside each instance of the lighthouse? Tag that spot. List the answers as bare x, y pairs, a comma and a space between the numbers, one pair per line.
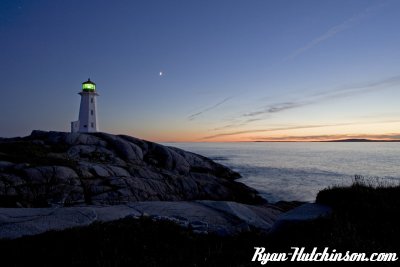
87, 122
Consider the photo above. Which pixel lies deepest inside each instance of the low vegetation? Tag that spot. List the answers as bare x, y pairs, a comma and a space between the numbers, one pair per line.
365, 214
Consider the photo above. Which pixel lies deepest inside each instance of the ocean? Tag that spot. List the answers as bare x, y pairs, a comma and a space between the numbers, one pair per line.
297, 171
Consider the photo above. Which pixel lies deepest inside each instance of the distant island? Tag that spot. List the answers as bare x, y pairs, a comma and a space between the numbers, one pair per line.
327, 141
360, 140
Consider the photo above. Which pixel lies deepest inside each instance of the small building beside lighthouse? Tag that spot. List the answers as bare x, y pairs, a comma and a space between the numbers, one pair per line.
87, 121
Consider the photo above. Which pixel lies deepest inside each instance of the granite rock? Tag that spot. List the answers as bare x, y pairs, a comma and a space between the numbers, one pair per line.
48, 169
203, 217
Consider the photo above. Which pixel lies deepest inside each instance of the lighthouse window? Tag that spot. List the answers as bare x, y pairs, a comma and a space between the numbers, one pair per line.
91, 100
92, 124
91, 112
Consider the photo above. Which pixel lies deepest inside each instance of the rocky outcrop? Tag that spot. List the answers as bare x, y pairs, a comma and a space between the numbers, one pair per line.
68, 169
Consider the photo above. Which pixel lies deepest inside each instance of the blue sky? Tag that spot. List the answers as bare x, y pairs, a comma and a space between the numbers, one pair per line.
232, 70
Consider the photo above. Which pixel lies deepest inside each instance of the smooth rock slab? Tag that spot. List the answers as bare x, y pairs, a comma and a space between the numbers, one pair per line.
309, 211
305, 212
17, 222
219, 217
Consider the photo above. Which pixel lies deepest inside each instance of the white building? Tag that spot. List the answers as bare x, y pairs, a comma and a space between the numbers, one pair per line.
87, 122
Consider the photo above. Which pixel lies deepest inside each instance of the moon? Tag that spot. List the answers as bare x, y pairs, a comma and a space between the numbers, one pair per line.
160, 73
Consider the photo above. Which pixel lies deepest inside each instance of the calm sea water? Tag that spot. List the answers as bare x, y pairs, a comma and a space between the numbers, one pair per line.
297, 171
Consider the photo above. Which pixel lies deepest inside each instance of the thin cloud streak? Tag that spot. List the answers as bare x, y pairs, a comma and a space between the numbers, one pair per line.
316, 98
237, 124
193, 116
271, 130
357, 89
335, 30
326, 96
275, 108
294, 128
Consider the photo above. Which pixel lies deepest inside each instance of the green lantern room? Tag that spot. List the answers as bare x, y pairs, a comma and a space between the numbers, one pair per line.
88, 86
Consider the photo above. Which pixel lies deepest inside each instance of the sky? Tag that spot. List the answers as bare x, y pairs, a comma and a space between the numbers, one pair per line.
204, 71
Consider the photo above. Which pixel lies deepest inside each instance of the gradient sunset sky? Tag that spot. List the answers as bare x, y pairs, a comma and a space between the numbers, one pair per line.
230, 70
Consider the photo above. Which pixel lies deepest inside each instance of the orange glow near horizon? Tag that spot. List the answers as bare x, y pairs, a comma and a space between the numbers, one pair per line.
374, 131
276, 138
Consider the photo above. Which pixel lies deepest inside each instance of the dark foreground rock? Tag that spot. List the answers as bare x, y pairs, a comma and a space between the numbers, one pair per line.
215, 217
69, 169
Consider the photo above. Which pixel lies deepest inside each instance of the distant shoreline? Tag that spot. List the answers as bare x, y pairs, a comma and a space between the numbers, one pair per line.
288, 141
331, 141
361, 140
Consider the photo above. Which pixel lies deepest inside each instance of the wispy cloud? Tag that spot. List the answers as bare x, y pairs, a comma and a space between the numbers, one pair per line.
274, 108
295, 127
238, 124
195, 115
269, 130
336, 30
350, 90
343, 92
312, 99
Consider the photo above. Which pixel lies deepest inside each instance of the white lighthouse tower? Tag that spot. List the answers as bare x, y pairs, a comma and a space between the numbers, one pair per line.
87, 122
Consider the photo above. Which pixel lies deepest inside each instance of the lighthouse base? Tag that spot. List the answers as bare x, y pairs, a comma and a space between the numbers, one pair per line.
74, 126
